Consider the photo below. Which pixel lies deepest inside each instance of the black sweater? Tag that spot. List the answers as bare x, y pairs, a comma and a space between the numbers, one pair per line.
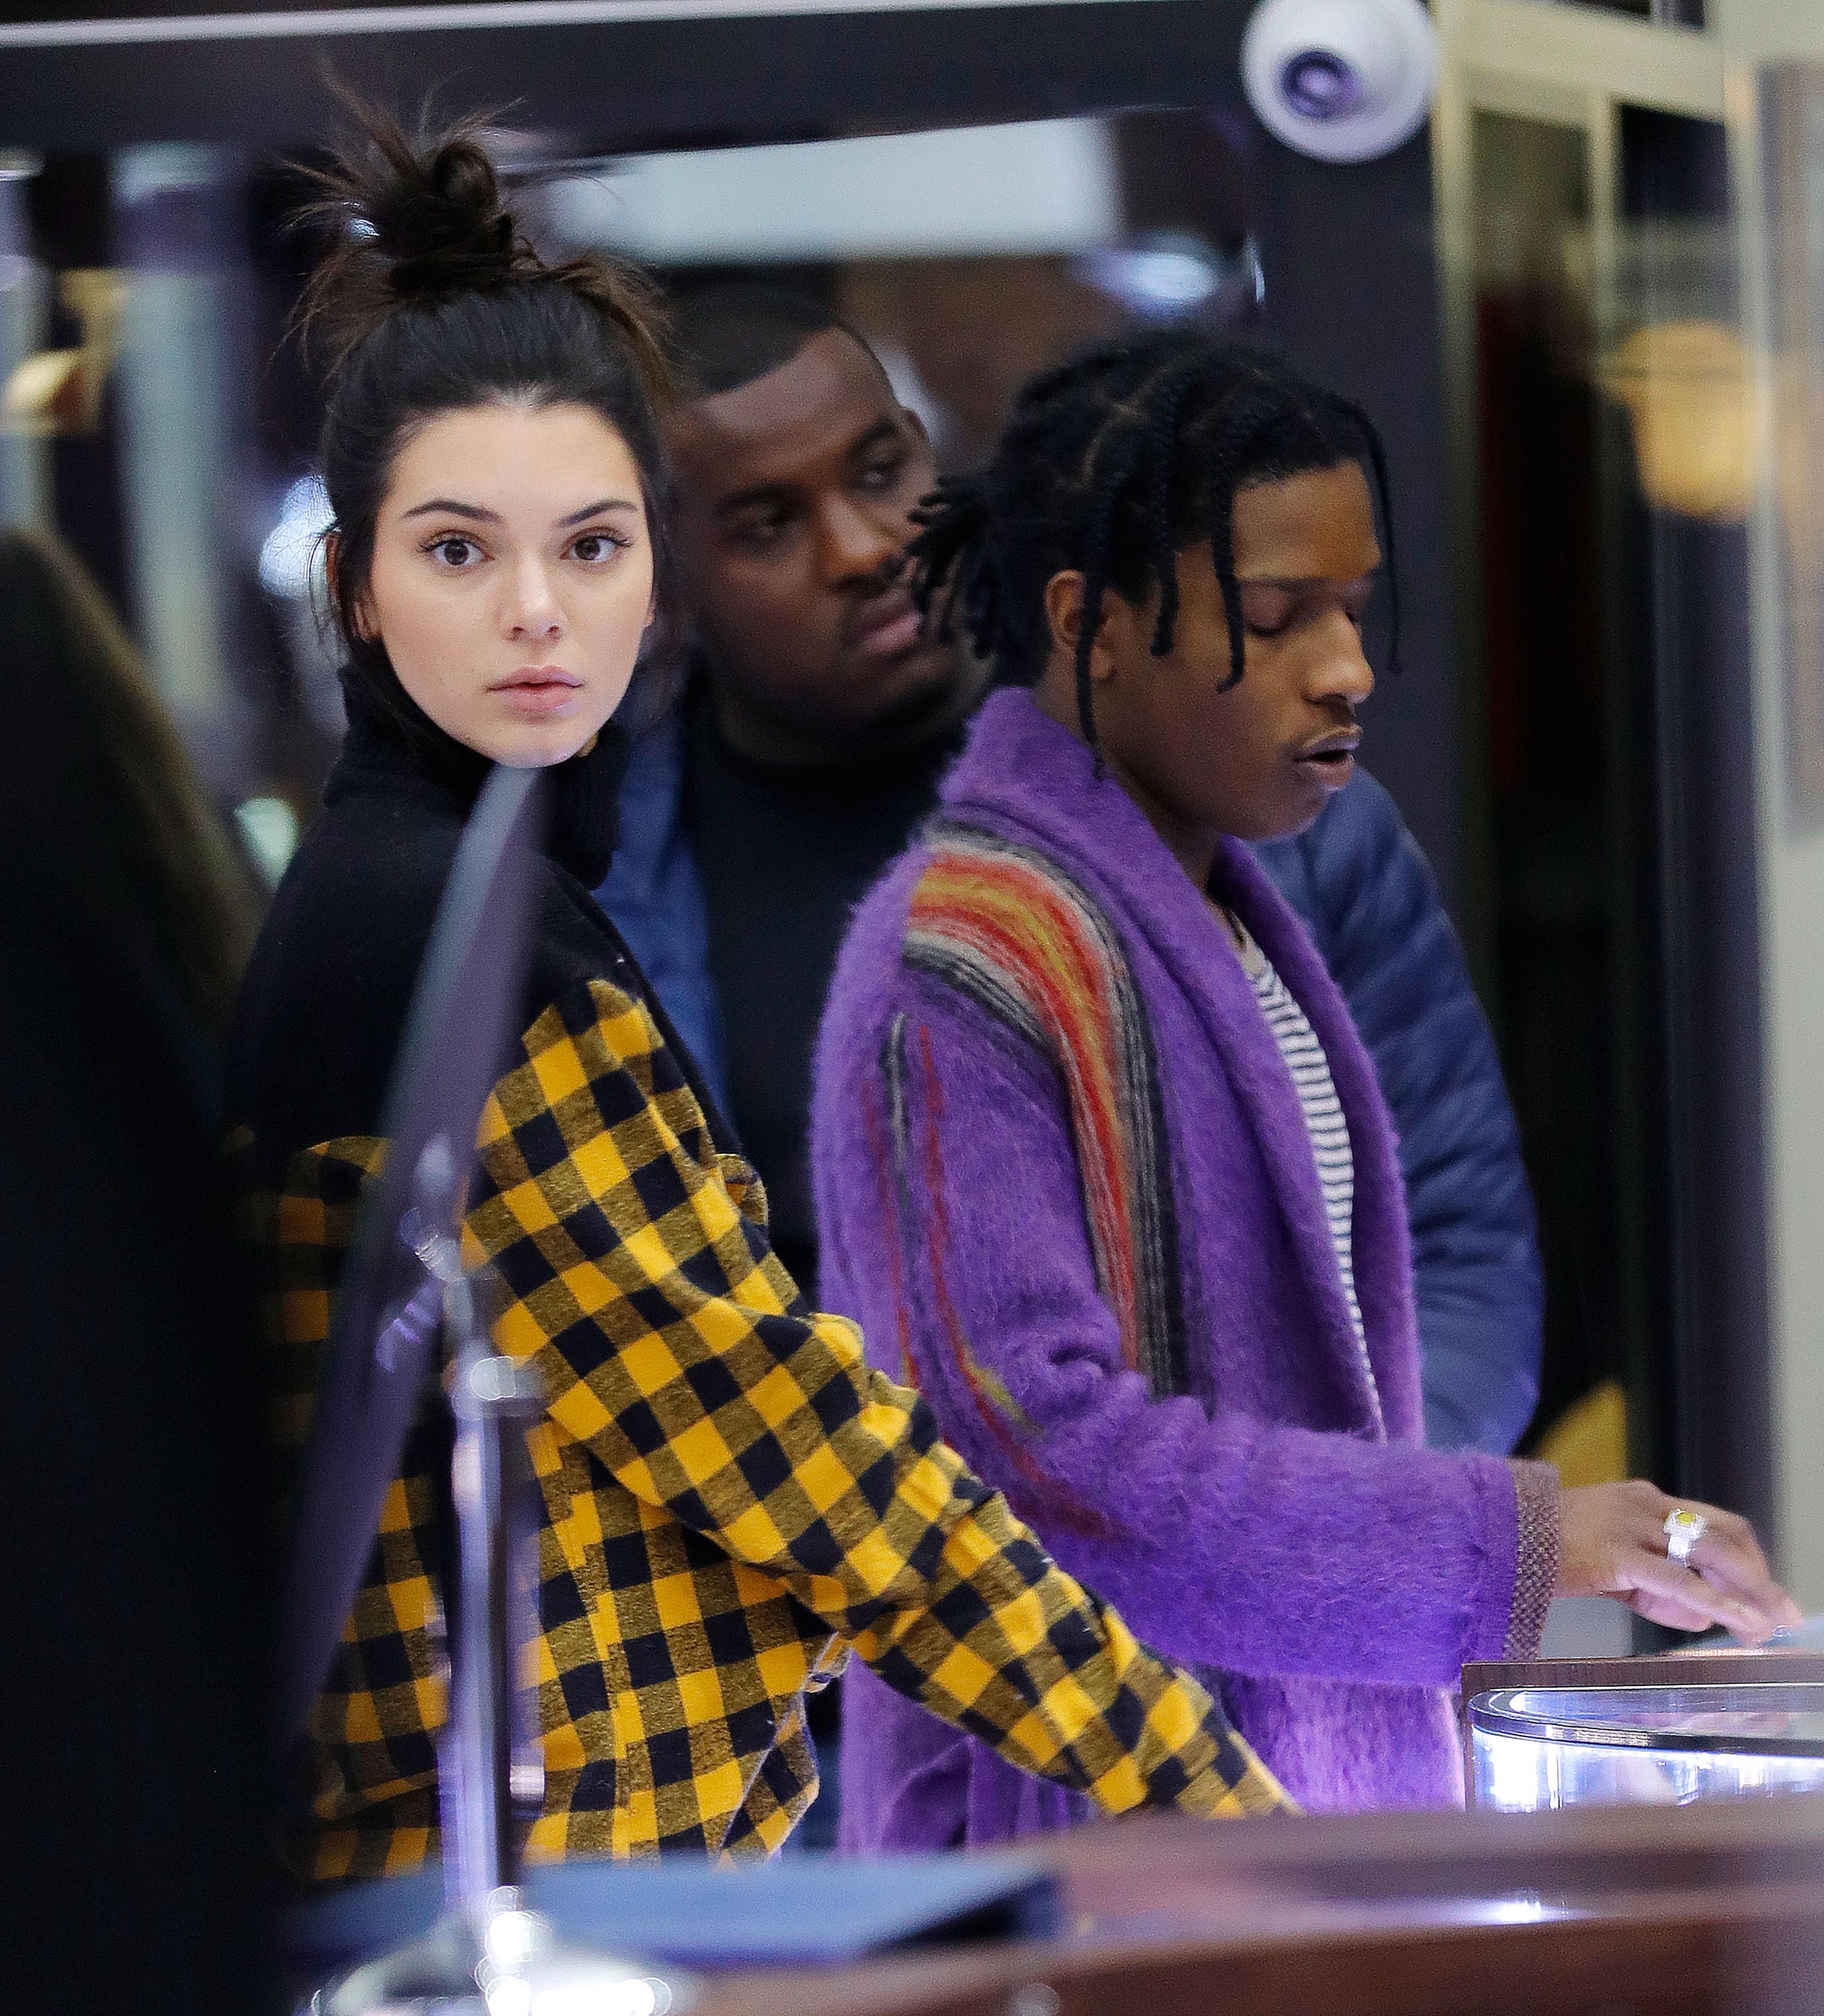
324, 1006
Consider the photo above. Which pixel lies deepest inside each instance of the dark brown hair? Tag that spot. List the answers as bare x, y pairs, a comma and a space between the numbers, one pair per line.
428, 299
101, 791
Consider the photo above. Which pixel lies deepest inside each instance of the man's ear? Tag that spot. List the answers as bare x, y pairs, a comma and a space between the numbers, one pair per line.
1063, 610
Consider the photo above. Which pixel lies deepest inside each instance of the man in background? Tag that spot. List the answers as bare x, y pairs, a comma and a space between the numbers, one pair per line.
817, 719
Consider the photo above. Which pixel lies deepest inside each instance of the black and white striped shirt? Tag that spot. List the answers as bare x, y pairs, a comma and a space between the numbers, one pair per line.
1324, 1121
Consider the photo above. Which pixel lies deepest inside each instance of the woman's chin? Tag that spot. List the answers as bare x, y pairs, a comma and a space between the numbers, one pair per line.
535, 745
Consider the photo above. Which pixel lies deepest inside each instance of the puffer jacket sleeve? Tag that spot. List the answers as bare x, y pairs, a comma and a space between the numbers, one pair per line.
1366, 893
639, 1283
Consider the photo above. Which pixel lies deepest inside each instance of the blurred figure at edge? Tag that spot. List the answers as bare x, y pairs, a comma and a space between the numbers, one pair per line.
135, 1554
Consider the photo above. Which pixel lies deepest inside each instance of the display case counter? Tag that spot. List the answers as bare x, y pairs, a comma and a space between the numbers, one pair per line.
1625, 1911
1672, 1730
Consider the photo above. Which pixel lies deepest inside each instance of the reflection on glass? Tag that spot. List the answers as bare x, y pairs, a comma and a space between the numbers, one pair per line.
970, 256
1537, 1748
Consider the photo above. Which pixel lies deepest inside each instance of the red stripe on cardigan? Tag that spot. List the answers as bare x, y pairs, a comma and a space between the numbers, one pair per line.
1080, 1018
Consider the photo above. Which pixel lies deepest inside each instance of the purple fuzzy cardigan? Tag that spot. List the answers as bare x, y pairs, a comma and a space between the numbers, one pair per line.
1331, 1584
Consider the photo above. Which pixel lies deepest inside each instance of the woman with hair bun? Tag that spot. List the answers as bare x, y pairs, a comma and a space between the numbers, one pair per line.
731, 1498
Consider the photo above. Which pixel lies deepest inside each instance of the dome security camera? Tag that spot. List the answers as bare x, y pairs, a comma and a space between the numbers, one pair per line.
1340, 79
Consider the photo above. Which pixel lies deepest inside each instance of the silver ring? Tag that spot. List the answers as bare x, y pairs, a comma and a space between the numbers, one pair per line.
1683, 1529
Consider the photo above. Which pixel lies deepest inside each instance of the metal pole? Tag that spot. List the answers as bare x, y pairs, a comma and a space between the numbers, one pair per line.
493, 1399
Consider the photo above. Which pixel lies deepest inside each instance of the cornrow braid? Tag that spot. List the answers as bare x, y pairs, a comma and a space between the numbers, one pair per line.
1251, 411
1112, 464
1095, 540
951, 545
1383, 498
1162, 445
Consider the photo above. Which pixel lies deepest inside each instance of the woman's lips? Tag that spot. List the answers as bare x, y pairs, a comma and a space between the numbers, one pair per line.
538, 693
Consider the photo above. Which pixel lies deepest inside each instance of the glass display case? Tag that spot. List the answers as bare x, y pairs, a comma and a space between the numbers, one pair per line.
1660, 1744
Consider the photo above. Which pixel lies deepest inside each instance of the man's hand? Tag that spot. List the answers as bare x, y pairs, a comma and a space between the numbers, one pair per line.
1612, 1542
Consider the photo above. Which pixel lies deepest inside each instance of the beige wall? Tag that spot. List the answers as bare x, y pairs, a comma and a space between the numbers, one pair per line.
1754, 29
1792, 857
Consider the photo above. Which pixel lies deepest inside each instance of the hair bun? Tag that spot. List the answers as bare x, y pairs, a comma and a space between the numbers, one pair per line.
411, 221
438, 220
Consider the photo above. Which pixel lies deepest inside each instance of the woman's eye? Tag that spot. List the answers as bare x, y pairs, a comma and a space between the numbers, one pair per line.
592, 548
456, 553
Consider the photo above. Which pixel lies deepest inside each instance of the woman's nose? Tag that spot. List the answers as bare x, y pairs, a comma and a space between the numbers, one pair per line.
532, 609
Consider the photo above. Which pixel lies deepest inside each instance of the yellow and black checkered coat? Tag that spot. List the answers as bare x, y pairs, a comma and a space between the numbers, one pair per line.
732, 1499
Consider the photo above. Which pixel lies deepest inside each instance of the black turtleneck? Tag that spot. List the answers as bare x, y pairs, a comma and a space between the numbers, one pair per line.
400, 748
327, 993
785, 854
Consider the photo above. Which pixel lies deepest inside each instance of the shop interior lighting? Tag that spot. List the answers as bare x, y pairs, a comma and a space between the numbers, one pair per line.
1169, 274
269, 828
1042, 186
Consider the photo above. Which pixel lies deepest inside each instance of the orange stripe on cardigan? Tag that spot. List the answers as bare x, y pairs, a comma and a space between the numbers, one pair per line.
1009, 928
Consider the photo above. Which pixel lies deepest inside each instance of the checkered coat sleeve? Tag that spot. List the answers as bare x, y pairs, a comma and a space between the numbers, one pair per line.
732, 1500
675, 1350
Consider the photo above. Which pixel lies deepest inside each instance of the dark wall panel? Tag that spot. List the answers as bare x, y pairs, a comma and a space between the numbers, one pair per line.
1352, 293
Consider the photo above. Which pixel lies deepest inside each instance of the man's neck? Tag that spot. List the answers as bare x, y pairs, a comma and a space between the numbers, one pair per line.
761, 737
1193, 847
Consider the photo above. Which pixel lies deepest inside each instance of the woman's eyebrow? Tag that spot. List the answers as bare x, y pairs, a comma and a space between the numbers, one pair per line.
449, 507
593, 510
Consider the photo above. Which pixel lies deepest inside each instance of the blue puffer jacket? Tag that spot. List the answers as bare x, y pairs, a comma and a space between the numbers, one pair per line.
1357, 879
1366, 892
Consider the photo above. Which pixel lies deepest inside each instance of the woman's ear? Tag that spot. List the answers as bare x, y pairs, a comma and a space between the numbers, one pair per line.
360, 618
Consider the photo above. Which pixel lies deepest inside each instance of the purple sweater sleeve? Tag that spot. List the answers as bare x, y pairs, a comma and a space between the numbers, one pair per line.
1258, 1548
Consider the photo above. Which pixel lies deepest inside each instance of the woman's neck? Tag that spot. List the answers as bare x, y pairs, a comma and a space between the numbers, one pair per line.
390, 740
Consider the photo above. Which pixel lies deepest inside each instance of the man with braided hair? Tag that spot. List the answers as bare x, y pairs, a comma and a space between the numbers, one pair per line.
1102, 1165
817, 725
